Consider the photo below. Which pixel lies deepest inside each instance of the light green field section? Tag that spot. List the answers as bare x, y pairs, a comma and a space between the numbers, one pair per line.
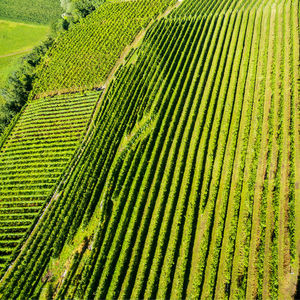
19, 37
16, 40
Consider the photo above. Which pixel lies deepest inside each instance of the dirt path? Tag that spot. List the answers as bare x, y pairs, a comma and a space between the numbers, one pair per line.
284, 267
272, 209
256, 233
295, 54
15, 53
135, 44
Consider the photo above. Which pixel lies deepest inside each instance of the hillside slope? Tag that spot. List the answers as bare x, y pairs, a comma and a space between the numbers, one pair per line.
32, 159
83, 57
186, 184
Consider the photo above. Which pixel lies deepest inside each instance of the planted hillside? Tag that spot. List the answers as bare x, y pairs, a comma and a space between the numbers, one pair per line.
186, 183
32, 160
83, 57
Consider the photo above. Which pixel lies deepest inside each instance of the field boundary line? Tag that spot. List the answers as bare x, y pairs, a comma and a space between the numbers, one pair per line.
122, 59
256, 231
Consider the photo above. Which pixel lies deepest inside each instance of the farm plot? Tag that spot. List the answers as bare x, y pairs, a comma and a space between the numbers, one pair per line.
83, 57
37, 12
184, 223
33, 158
189, 173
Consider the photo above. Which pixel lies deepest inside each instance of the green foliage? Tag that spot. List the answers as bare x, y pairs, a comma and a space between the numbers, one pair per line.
39, 11
19, 84
76, 9
83, 57
171, 162
45, 136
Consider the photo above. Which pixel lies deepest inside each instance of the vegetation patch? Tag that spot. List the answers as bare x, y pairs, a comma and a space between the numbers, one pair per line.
33, 158
16, 40
83, 57
185, 185
39, 11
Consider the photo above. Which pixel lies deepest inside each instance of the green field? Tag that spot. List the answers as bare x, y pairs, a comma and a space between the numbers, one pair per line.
45, 123
17, 39
38, 11
179, 179
21, 30
83, 57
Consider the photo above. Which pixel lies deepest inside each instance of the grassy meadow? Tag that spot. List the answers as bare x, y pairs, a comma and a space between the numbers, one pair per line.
23, 24
17, 39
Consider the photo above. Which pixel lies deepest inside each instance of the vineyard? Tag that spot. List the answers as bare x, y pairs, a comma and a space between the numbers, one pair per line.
33, 157
182, 181
83, 57
37, 12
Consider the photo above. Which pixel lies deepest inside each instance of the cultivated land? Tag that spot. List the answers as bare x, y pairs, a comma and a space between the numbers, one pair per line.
38, 11
32, 158
180, 179
83, 57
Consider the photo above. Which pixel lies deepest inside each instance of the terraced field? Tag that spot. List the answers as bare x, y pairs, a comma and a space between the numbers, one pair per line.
186, 185
33, 157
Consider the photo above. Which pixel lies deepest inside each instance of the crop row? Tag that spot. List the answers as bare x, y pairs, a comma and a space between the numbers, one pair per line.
138, 206
46, 238
185, 162
31, 161
140, 187
137, 253
75, 184
82, 57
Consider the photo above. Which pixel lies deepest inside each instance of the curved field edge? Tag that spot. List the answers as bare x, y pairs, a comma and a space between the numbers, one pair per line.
72, 164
